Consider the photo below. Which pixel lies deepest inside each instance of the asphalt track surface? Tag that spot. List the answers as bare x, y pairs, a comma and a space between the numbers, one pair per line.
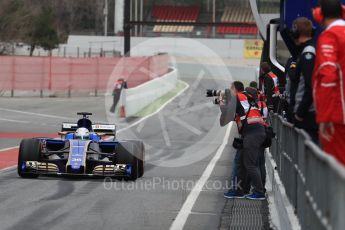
186, 126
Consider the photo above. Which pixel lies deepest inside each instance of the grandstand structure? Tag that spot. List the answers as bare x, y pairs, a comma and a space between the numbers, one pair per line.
197, 18
238, 15
175, 14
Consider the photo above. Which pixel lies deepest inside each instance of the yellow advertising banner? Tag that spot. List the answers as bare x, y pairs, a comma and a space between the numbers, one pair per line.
253, 48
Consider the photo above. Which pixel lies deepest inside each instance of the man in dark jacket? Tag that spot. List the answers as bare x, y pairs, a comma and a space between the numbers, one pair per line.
290, 87
303, 107
119, 85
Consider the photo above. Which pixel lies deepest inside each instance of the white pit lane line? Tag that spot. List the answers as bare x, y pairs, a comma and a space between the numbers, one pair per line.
5, 120
186, 209
14, 121
35, 114
11, 167
10, 148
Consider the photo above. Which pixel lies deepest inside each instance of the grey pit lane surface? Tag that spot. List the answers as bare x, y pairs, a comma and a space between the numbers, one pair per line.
60, 203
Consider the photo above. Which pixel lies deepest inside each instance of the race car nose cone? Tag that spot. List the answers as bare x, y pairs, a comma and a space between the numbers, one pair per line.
75, 169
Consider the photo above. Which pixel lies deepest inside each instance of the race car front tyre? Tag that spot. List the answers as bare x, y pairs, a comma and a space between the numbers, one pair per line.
126, 154
29, 150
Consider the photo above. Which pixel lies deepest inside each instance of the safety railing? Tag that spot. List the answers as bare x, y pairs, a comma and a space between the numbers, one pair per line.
314, 181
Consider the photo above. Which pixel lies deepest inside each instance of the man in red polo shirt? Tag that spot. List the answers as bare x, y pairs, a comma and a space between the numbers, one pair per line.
329, 79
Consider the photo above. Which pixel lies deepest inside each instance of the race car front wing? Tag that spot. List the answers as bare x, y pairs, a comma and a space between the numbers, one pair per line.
44, 168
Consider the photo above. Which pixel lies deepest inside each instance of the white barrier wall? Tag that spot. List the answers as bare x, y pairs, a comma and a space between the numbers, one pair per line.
137, 98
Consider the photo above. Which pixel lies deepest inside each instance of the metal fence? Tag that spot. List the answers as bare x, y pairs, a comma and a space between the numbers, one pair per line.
77, 74
314, 180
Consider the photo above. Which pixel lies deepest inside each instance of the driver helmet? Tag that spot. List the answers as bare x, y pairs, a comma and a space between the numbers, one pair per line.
82, 133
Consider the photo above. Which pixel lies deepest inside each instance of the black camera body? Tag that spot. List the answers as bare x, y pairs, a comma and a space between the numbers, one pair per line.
238, 143
216, 94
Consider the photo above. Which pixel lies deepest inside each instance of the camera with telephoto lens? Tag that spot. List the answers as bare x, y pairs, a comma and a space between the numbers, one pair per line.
218, 94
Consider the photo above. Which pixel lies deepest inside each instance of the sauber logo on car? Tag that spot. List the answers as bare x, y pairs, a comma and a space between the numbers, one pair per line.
96, 126
108, 127
69, 125
77, 156
74, 159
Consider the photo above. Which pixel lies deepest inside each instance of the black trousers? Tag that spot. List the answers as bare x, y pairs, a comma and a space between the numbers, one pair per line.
116, 98
261, 164
253, 138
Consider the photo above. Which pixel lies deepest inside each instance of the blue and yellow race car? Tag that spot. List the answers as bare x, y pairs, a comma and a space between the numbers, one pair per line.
84, 149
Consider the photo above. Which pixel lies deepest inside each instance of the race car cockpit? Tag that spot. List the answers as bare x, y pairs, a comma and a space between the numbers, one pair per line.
83, 134
84, 129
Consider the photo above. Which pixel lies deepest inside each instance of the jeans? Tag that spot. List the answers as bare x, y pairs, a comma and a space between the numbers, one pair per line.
261, 164
235, 168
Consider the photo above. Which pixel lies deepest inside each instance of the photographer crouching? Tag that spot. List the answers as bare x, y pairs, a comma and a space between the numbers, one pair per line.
251, 125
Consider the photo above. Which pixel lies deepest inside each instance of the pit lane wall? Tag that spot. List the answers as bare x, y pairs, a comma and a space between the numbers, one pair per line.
135, 99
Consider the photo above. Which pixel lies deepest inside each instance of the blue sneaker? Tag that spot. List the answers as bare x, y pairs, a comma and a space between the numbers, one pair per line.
233, 195
256, 196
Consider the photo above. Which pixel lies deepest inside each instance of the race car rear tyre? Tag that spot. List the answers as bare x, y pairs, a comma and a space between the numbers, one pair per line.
140, 154
126, 154
141, 159
29, 150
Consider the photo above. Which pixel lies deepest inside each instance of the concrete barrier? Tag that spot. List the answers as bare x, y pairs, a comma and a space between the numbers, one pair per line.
135, 99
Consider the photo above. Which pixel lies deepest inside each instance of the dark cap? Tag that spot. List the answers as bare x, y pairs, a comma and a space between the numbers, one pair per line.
265, 67
238, 86
253, 84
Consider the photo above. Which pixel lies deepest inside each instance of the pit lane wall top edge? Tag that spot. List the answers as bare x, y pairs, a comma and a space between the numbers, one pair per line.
135, 99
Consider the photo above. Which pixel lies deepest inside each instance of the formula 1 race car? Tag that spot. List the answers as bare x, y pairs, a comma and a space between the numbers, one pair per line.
84, 149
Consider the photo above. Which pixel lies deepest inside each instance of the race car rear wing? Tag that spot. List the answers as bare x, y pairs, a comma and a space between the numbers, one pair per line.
106, 129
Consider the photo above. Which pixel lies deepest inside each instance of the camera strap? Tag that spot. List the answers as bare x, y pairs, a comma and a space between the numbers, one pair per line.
262, 108
246, 118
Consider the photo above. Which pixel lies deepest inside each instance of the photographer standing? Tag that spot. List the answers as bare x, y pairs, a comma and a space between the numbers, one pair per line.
252, 130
